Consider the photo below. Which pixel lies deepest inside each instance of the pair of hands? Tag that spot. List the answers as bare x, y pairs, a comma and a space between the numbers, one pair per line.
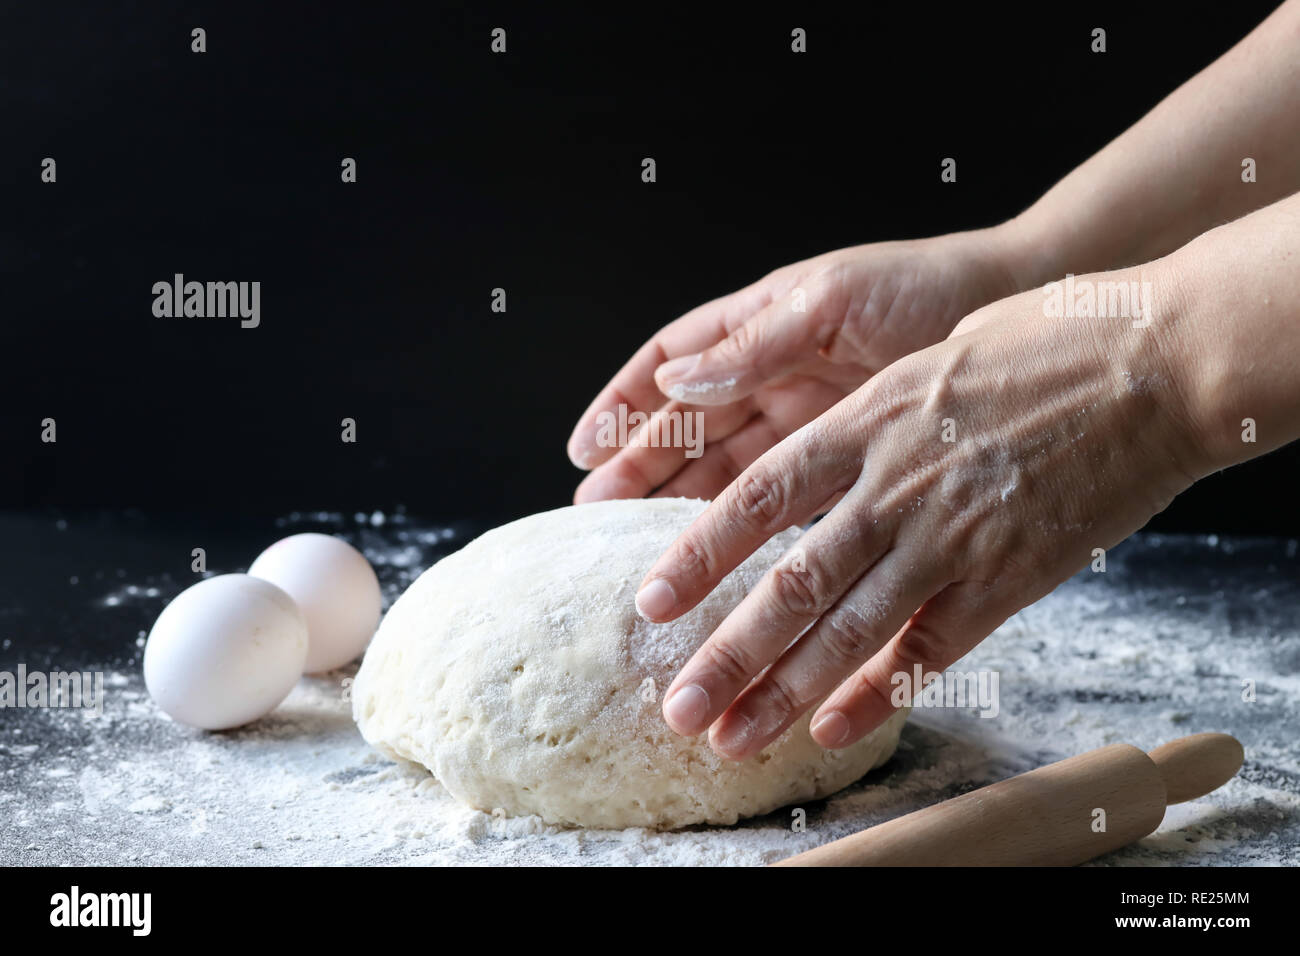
972, 453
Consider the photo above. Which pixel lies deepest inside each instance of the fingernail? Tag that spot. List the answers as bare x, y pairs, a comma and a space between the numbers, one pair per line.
656, 600
831, 729
581, 453
678, 367
687, 707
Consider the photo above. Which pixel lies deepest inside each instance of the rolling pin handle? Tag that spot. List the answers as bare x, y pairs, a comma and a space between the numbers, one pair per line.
1193, 766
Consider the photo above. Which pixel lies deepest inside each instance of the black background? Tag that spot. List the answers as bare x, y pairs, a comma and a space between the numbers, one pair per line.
477, 171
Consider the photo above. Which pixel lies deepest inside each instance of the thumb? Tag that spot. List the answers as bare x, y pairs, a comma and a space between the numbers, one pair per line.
757, 351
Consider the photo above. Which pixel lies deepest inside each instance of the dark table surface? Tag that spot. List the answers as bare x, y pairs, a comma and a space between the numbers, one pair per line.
1164, 643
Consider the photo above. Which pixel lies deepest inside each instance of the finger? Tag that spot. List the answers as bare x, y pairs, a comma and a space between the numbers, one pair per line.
634, 385
831, 503
936, 637
723, 461
773, 342
780, 414
631, 390
845, 637
676, 437
780, 489
798, 589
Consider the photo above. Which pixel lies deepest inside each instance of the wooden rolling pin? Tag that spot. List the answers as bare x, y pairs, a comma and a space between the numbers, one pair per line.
1047, 817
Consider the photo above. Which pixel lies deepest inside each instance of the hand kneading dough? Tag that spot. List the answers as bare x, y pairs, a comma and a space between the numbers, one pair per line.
519, 672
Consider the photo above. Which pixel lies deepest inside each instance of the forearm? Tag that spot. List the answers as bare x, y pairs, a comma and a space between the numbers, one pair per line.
1227, 324
1178, 171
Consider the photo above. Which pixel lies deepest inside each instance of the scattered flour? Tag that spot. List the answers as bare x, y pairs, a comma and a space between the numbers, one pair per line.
1108, 657
683, 392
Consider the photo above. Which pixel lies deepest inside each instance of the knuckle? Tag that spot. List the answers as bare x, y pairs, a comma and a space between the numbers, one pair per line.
867, 686
740, 342
822, 280
760, 498
693, 558
919, 645
779, 697
795, 591
847, 636
825, 288
729, 661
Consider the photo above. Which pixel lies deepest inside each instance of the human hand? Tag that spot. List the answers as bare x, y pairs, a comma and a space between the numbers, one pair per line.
976, 476
758, 369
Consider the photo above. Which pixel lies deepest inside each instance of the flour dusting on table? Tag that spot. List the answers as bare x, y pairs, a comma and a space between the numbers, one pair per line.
1155, 648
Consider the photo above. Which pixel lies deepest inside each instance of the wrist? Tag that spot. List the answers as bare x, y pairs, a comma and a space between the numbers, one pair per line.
1232, 303
1165, 362
1030, 258
1141, 334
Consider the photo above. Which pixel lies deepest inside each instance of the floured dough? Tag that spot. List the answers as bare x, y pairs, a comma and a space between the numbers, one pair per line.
519, 672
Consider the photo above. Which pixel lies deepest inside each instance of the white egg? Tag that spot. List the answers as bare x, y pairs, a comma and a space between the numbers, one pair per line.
225, 652
335, 587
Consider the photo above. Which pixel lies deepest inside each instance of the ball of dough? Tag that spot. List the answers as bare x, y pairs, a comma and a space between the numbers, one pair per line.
519, 672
